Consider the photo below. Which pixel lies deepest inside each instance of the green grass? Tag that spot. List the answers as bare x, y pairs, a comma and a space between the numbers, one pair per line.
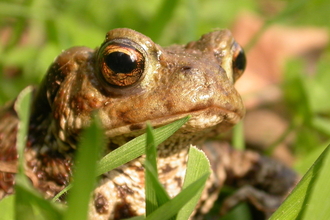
39, 30
310, 199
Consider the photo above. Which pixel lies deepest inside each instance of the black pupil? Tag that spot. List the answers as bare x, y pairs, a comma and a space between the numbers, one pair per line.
120, 62
240, 61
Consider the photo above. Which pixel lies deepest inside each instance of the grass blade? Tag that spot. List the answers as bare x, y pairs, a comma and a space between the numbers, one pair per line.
136, 147
156, 195
173, 206
84, 177
23, 207
28, 203
22, 107
150, 172
311, 197
317, 204
7, 204
198, 165
31, 205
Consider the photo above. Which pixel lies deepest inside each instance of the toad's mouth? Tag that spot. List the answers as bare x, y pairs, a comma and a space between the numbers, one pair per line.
220, 118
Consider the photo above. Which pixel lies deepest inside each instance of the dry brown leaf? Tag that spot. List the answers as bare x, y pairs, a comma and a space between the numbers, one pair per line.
266, 59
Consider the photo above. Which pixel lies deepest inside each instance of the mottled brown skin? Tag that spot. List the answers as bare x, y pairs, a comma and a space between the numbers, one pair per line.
128, 81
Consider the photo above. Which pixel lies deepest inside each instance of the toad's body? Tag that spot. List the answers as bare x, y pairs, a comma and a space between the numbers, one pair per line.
130, 80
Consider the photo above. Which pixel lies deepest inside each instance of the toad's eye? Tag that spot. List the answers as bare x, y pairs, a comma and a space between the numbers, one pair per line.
121, 65
239, 61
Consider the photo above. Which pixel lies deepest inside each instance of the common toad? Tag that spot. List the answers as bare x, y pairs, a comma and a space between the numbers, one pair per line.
130, 80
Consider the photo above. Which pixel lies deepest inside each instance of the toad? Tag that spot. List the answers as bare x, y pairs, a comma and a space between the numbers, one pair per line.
130, 80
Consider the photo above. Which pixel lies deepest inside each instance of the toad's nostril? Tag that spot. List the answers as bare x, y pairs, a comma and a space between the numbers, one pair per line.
186, 68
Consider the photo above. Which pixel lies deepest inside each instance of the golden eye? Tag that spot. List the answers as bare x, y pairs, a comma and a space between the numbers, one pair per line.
122, 65
239, 61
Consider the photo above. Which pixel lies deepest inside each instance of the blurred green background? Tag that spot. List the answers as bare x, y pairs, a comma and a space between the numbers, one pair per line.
34, 32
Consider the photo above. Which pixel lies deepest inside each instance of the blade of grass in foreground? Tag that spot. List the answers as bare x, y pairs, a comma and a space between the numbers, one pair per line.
7, 204
170, 208
28, 203
150, 172
198, 170
136, 147
311, 197
156, 195
90, 147
198, 165
23, 207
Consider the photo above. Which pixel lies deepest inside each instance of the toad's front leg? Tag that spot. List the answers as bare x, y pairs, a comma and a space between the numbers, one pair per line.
262, 181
